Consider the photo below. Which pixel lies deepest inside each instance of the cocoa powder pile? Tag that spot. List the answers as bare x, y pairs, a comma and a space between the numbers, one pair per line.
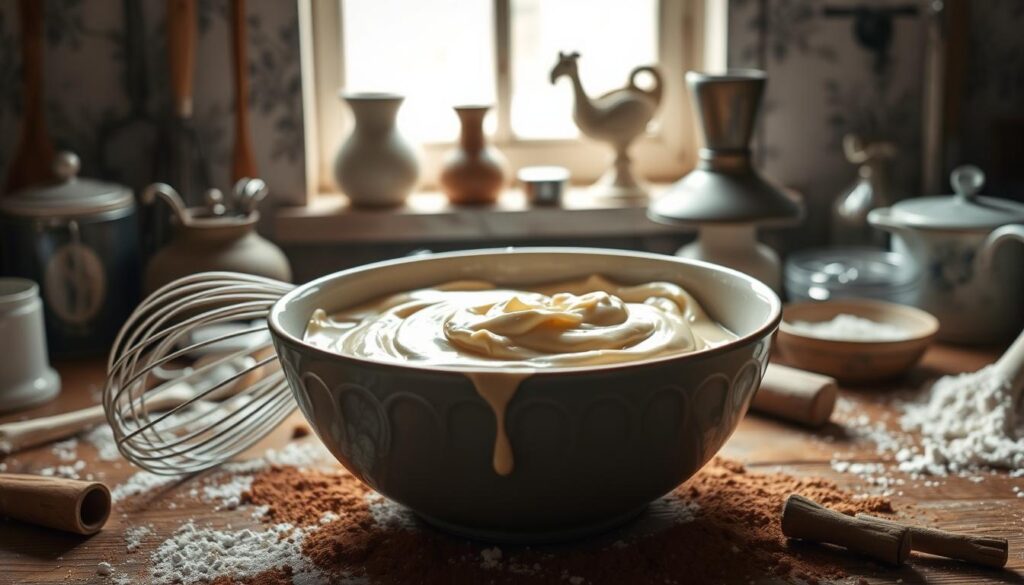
734, 535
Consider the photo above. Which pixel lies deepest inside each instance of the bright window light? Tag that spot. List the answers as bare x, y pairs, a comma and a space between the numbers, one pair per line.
437, 53
612, 37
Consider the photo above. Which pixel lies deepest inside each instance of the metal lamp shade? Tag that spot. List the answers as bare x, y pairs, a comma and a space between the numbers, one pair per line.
725, 187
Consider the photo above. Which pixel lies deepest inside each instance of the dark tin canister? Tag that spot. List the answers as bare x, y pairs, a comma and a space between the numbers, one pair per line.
78, 239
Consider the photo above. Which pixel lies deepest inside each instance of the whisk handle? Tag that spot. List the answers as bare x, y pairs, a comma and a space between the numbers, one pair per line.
23, 434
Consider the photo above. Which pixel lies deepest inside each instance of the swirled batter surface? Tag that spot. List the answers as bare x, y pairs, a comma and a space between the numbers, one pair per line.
502, 336
474, 324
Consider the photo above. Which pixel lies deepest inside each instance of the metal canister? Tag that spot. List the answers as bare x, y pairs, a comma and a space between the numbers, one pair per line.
78, 239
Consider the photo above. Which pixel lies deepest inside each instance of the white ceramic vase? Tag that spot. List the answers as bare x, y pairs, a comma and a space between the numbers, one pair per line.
26, 378
376, 166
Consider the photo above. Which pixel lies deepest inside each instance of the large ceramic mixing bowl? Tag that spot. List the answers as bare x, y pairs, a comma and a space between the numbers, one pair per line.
592, 445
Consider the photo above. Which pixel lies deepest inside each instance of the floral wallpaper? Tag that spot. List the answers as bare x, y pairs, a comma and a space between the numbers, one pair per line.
823, 84
90, 110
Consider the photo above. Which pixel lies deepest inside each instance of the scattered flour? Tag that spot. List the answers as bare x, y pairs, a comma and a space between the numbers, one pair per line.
102, 438
845, 327
969, 421
66, 450
490, 558
67, 471
141, 483
295, 454
200, 555
134, 536
228, 495
389, 514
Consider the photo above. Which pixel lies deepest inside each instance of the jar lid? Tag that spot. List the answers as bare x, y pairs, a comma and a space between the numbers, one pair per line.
851, 269
68, 195
965, 209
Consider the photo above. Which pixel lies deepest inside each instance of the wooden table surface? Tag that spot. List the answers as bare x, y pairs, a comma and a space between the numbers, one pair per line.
35, 555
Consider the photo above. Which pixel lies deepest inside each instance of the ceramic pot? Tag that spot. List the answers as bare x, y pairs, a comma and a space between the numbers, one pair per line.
79, 239
592, 445
376, 166
970, 280
26, 378
474, 172
217, 243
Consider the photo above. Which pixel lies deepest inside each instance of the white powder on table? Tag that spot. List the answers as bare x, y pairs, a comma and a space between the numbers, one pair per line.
200, 555
139, 484
66, 471
969, 421
102, 438
134, 536
228, 495
490, 558
845, 327
66, 450
389, 514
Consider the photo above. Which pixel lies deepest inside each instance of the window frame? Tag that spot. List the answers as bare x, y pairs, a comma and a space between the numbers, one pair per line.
691, 35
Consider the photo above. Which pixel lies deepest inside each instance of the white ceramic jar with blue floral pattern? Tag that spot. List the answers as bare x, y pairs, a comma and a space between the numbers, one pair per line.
971, 281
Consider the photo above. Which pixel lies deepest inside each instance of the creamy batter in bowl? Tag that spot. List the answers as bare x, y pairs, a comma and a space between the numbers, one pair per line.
512, 446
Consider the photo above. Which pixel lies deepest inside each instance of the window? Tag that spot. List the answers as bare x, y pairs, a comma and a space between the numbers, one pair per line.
441, 53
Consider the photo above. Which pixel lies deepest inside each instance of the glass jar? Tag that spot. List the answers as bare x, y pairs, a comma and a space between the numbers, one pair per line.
832, 273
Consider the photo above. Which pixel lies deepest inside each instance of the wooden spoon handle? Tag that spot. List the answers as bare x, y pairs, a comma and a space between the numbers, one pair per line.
1011, 364
23, 434
244, 162
181, 52
33, 158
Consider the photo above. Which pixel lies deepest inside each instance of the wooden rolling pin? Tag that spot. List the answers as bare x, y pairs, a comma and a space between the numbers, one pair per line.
796, 395
980, 550
75, 506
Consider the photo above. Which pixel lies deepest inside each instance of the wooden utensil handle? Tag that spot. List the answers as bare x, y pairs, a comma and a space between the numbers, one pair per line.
16, 436
30, 13
23, 434
1011, 364
243, 163
181, 52
34, 154
76, 506
795, 395
981, 550
807, 520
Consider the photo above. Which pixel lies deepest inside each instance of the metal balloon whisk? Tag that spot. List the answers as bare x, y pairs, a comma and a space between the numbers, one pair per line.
170, 418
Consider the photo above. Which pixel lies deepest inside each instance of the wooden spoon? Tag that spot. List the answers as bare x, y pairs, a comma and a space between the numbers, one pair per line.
244, 163
33, 157
16, 436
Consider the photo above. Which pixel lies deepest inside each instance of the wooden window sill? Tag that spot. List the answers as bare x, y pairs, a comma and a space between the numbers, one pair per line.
428, 217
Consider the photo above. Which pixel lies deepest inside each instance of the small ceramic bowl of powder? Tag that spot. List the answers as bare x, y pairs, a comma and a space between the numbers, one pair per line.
855, 340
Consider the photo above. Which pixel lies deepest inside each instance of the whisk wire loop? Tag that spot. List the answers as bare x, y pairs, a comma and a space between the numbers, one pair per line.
173, 418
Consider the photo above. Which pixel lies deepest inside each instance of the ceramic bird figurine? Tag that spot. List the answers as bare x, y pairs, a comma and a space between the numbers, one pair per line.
616, 117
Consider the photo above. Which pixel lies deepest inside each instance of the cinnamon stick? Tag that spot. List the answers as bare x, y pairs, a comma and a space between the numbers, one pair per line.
75, 506
980, 550
807, 520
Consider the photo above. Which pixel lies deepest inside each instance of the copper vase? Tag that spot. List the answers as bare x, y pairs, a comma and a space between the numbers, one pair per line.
474, 172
